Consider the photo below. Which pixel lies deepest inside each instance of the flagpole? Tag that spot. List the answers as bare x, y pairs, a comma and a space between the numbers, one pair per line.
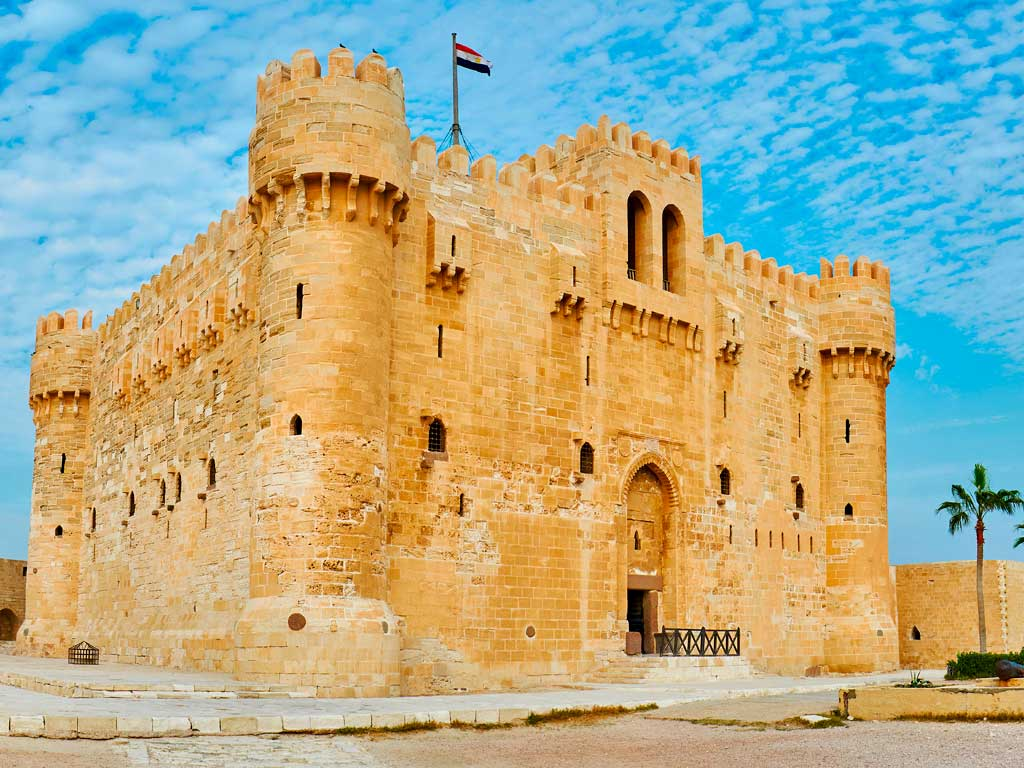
455, 93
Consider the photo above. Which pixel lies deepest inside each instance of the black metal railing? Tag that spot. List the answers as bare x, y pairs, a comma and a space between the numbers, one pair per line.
673, 641
631, 273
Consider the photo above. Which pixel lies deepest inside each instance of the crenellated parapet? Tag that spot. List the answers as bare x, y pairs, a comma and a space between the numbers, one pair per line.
62, 365
857, 324
329, 145
780, 282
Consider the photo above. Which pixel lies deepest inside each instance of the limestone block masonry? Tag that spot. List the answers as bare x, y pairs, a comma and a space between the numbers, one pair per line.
402, 424
12, 598
938, 610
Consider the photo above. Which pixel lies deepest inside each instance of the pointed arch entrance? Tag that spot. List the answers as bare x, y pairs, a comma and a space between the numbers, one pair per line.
650, 498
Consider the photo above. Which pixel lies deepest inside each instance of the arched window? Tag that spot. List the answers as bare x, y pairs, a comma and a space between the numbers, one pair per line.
586, 459
63, 462
212, 467
915, 634
847, 430
163, 493
296, 425
636, 540
725, 482
799, 493
58, 531
299, 289
672, 266
177, 490
131, 504
436, 437
637, 236
849, 510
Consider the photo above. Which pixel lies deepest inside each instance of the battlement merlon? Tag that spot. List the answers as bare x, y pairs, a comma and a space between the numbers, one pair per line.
547, 171
335, 133
857, 321
63, 358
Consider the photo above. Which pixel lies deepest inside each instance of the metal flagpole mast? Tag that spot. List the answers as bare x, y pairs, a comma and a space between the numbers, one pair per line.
455, 93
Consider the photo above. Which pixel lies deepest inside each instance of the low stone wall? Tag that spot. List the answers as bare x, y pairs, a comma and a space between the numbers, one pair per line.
984, 699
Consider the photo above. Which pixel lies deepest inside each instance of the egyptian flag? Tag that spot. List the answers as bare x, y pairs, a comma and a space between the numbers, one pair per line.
470, 59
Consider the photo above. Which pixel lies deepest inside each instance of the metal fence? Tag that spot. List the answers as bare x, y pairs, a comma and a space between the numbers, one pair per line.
674, 641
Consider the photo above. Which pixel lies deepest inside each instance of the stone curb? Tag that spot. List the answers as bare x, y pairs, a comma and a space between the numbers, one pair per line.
110, 727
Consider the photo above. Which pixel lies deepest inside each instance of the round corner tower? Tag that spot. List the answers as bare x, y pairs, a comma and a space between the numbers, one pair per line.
329, 167
857, 342
59, 390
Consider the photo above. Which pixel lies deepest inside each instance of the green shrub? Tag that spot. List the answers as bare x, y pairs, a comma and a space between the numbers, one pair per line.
971, 664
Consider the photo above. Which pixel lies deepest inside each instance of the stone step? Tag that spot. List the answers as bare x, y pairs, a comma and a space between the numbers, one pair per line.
635, 669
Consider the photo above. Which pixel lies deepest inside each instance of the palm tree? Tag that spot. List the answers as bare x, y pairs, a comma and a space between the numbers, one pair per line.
974, 506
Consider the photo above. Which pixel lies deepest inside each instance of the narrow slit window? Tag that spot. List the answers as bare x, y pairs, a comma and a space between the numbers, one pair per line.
453, 248
177, 490
586, 459
849, 510
299, 289
636, 541
131, 504
798, 542
163, 493
771, 538
730, 534
462, 504
92, 524
436, 437
586, 375
812, 545
725, 482
58, 531
725, 404
212, 470
574, 277
296, 425
63, 462
440, 341
799, 425
799, 493
755, 537
782, 540
847, 430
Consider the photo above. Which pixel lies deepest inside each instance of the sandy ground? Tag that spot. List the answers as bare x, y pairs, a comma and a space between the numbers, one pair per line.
657, 738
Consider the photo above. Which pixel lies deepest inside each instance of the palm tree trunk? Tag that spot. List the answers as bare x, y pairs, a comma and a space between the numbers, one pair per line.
979, 528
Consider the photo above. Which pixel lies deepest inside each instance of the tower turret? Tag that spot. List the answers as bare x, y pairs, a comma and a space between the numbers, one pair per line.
59, 390
857, 344
329, 166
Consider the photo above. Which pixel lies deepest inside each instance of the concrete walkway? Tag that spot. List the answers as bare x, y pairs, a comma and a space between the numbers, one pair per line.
29, 713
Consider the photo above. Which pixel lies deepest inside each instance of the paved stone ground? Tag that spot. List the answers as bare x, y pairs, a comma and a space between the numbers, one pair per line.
759, 709
623, 742
15, 701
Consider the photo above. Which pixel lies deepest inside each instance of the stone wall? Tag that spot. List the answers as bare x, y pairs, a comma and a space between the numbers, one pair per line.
372, 287
939, 600
12, 598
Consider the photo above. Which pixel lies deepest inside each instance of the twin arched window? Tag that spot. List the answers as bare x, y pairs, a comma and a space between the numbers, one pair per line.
640, 264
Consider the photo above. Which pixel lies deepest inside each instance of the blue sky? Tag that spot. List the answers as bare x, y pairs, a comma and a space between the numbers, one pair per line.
891, 129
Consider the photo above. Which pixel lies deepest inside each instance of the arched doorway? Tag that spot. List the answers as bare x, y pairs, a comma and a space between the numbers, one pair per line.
646, 504
8, 625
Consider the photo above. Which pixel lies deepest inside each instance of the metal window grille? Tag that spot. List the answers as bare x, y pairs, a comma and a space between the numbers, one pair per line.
725, 480
587, 459
435, 437
83, 653
631, 273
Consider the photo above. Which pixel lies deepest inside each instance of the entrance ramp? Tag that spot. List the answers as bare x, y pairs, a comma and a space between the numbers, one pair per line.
671, 669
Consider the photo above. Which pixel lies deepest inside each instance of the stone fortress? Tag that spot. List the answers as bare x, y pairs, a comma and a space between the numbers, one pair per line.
402, 424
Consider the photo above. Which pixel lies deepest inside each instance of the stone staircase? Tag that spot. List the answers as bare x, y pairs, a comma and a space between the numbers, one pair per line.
671, 669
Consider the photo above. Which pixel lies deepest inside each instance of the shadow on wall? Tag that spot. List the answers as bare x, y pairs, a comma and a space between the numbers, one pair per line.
9, 624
